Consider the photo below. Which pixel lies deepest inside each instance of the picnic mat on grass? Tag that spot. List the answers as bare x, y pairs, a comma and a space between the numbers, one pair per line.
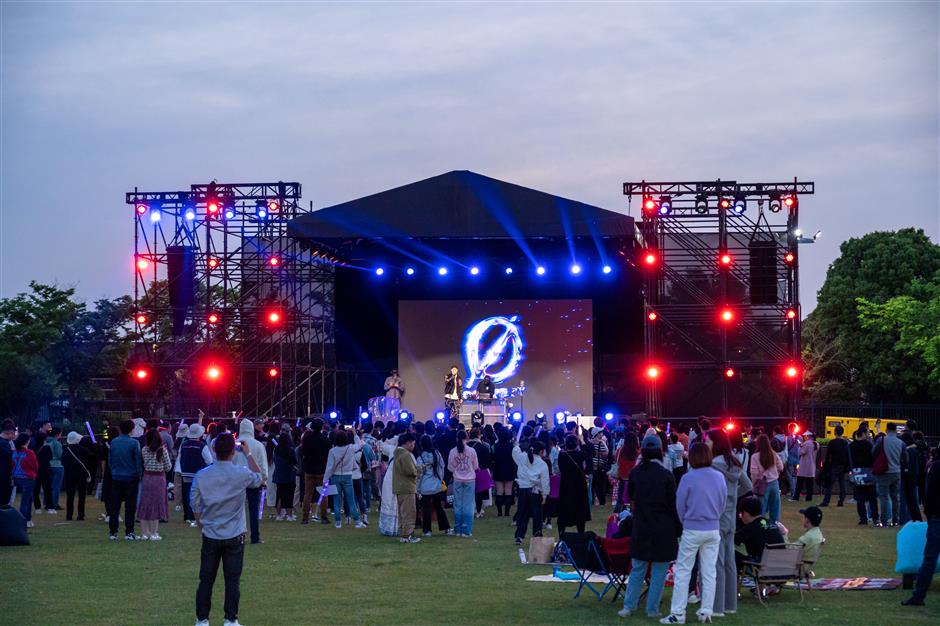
861, 583
549, 578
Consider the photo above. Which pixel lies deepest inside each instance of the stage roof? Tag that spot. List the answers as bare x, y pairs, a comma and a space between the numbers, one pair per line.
460, 204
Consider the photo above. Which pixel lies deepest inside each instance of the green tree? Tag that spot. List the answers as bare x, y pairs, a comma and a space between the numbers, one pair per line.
861, 359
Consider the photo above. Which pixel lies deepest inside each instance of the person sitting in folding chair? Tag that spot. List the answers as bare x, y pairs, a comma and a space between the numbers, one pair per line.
756, 533
654, 542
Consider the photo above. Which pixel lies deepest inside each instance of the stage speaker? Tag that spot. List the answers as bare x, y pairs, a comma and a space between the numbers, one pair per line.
181, 283
763, 270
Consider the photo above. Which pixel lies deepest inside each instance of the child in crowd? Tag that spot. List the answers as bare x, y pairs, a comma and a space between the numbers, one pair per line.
812, 539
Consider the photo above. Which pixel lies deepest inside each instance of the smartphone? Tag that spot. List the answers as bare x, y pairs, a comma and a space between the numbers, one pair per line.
349, 427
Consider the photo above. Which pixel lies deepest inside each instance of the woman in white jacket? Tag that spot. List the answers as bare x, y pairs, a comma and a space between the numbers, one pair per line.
340, 465
532, 478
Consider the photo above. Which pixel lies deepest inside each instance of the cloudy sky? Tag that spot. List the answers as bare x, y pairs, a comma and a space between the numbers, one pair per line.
350, 99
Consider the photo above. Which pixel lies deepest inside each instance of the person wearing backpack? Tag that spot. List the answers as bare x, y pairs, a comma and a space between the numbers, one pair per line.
887, 470
77, 464
863, 482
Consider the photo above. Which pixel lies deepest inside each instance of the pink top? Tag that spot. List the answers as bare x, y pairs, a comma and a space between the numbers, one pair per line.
769, 474
464, 466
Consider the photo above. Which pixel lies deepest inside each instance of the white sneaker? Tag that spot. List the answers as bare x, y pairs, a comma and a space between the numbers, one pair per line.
360, 525
427, 534
37, 512
290, 518
144, 538
694, 599
624, 613
202, 622
29, 524
339, 524
192, 524
228, 623
673, 619
548, 526
51, 511
156, 538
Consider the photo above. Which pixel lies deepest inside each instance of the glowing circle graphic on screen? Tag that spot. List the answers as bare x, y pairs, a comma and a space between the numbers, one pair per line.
493, 347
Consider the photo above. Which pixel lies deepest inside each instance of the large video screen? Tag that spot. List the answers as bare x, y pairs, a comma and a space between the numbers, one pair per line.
543, 345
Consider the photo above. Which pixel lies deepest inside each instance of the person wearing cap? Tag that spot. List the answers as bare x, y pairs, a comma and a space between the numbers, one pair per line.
193, 456
755, 532
77, 463
246, 437
812, 539
654, 538
394, 390
806, 472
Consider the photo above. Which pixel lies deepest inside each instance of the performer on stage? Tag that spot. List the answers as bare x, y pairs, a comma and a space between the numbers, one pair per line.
486, 386
453, 388
394, 390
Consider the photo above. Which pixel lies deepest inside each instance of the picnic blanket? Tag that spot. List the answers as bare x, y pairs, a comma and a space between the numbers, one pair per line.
550, 578
862, 583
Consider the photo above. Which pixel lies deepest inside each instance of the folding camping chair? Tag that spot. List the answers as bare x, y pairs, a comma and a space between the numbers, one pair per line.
614, 557
806, 567
780, 564
578, 550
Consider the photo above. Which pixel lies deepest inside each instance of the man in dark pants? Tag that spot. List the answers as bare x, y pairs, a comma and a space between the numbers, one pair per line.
932, 547
218, 501
836, 467
126, 469
7, 435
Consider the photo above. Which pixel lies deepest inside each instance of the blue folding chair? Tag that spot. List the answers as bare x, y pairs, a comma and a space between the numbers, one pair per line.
579, 550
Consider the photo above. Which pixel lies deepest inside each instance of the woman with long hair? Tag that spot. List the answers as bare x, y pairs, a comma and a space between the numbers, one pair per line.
285, 476
340, 467
554, 481
504, 472
25, 468
765, 470
463, 464
573, 509
153, 504
431, 487
626, 460
532, 477
484, 482
700, 503
654, 538
737, 484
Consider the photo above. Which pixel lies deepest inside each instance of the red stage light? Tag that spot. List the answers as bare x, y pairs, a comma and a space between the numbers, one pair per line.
652, 372
649, 205
789, 201
213, 263
213, 318
273, 372
141, 373
273, 206
141, 319
791, 314
142, 263
727, 315
273, 317
792, 371
274, 261
652, 316
729, 373
212, 207
650, 258
725, 259
724, 203
795, 428
729, 426
789, 257
142, 208
214, 372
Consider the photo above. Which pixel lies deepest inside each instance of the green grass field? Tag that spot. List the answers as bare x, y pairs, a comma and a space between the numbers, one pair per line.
316, 574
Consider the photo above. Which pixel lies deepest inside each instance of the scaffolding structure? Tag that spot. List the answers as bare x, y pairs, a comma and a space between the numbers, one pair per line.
226, 245
721, 294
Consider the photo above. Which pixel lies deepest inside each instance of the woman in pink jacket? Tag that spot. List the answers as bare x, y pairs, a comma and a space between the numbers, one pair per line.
806, 472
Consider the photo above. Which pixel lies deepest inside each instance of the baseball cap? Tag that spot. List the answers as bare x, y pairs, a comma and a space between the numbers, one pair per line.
651, 442
813, 514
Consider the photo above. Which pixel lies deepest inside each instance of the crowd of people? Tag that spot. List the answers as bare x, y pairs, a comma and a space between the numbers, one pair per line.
699, 499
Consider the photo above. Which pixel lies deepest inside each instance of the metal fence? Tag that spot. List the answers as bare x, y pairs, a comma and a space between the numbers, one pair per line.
927, 416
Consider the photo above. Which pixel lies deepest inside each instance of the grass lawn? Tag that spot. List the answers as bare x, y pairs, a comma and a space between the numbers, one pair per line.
316, 574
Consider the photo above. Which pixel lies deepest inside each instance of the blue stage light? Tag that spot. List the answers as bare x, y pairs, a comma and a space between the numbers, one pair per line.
333, 415
410, 271
364, 415
474, 270
665, 205
608, 269
379, 271
575, 269
442, 271
517, 416
439, 416
229, 213
608, 416
404, 416
508, 271
190, 214
739, 206
540, 270
559, 417
154, 215
540, 415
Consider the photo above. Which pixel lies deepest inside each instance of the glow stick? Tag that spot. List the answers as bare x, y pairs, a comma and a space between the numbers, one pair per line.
264, 492
297, 425
326, 486
91, 433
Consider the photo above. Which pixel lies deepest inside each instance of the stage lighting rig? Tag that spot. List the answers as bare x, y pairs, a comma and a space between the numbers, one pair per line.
701, 204
665, 205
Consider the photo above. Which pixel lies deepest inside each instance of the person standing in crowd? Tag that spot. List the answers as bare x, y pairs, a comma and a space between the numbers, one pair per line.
911, 467
463, 464
835, 467
43, 450
153, 505
285, 475
573, 509
700, 503
736, 485
126, 469
7, 447
394, 391
405, 486
55, 465
654, 538
532, 477
218, 501
431, 488
248, 443
599, 464
675, 461
504, 472
626, 459
863, 487
315, 449
25, 468
888, 482
766, 467
77, 464
340, 464
193, 456
484, 480
932, 544
806, 472
793, 444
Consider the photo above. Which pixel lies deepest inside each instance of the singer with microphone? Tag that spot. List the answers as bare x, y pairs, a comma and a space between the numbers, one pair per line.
453, 388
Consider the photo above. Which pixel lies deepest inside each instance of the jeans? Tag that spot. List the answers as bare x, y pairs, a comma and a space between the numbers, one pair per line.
838, 475
791, 477
703, 543
530, 506
57, 474
253, 496
631, 600
463, 506
188, 515
590, 490
929, 565
770, 501
123, 491
366, 493
887, 486
865, 494
73, 485
231, 552
434, 503
344, 492
25, 487
726, 572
